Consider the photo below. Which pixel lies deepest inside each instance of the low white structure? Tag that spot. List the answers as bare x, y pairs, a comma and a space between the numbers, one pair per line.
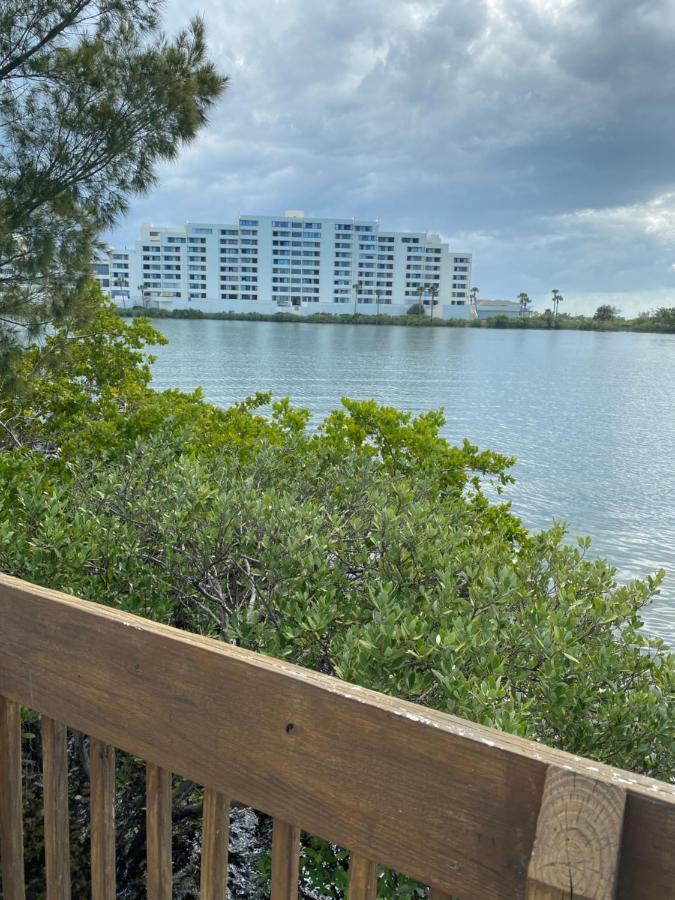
486, 309
290, 262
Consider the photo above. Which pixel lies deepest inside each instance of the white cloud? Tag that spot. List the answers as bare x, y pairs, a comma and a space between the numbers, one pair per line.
655, 217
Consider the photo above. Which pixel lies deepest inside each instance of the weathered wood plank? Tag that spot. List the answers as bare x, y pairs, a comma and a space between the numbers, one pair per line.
648, 832
11, 816
102, 802
438, 798
576, 850
436, 894
159, 828
57, 823
362, 878
285, 860
215, 840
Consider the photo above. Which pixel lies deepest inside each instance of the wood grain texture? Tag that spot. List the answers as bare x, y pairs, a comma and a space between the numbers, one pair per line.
576, 850
285, 861
11, 816
215, 841
102, 802
57, 822
158, 829
362, 878
438, 798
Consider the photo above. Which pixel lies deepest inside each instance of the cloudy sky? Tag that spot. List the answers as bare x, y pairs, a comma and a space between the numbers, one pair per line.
538, 134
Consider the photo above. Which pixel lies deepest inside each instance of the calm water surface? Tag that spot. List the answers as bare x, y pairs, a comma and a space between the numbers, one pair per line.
590, 417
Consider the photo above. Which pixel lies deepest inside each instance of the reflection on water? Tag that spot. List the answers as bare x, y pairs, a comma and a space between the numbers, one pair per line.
589, 416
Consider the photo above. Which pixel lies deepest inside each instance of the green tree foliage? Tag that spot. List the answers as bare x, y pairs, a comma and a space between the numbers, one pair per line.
366, 547
606, 313
664, 318
92, 96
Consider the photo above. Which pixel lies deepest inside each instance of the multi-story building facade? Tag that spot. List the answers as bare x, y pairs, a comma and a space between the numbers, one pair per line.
268, 263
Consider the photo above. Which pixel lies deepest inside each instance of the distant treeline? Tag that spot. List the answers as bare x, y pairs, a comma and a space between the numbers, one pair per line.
663, 320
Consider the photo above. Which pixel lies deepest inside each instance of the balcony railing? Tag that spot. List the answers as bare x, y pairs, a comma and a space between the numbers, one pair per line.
469, 811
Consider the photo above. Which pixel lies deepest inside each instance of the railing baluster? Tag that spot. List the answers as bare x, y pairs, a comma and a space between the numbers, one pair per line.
159, 825
11, 817
215, 840
285, 860
576, 848
102, 798
362, 878
57, 825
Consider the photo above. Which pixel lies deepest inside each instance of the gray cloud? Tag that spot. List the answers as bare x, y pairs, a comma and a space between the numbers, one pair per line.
537, 133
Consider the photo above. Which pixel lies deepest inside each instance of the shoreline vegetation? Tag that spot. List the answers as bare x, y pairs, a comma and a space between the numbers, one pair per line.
660, 322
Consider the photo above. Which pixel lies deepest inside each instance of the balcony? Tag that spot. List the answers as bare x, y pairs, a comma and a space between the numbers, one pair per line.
472, 812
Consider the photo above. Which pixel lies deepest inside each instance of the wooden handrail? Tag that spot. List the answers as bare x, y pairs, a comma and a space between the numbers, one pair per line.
453, 804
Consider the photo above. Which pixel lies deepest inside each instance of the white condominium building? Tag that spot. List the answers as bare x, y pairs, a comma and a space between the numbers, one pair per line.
269, 263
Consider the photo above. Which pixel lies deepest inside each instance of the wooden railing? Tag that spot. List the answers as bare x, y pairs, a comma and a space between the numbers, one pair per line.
468, 810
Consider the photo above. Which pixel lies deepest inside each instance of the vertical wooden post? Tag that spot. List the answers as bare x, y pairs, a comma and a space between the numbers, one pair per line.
11, 815
578, 839
362, 878
159, 827
215, 840
102, 799
285, 860
57, 826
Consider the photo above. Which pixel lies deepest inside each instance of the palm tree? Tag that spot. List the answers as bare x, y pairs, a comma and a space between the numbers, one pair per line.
419, 290
378, 295
119, 283
557, 298
357, 288
433, 291
473, 293
524, 303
